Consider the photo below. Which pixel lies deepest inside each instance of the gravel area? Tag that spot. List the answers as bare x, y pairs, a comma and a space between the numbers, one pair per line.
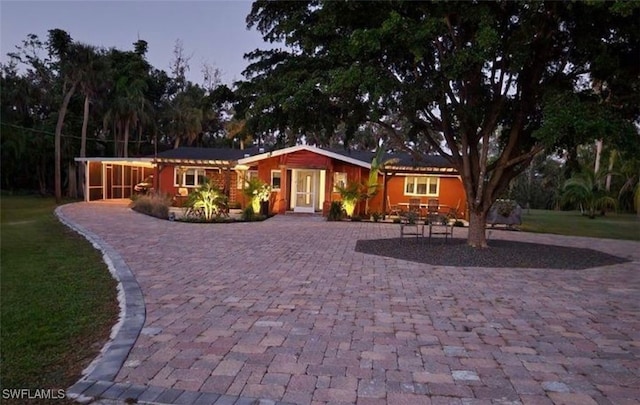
501, 253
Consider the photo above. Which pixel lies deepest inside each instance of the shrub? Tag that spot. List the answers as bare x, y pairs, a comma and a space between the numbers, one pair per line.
209, 200
156, 205
350, 195
376, 216
256, 190
335, 211
248, 214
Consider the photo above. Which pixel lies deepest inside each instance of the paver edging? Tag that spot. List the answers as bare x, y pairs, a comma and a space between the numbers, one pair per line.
125, 332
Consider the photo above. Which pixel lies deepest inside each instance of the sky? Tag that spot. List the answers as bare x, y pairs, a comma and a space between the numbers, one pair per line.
212, 31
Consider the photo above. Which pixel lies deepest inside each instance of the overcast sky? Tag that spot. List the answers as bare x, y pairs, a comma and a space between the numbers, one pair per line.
212, 31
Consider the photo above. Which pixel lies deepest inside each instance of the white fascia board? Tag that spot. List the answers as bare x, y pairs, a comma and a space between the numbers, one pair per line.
252, 159
147, 162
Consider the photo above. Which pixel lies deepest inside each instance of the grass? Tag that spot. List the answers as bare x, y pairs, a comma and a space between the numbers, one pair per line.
58, 300
610, 226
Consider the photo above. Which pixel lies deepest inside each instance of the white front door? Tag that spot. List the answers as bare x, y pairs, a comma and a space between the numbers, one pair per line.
304, 190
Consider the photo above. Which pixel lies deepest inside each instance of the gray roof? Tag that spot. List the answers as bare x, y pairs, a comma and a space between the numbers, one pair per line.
405, 159
228, 155
206, 154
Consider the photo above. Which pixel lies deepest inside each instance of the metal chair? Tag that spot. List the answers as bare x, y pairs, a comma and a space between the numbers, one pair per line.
439, 224
414, 206
410, 225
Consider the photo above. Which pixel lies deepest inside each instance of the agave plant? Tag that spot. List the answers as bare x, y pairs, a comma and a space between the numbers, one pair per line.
585, 189
209, 199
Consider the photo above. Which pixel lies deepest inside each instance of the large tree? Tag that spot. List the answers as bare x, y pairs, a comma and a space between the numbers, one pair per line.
476, 74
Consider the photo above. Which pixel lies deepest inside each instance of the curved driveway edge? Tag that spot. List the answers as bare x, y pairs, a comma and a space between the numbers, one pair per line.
98, 382
132, 314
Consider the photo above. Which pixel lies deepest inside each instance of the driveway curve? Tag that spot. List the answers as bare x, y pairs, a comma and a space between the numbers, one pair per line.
286, 310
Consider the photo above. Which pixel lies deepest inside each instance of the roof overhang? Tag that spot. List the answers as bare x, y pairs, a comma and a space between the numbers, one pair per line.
196, 162
420, 170
313, 149
144, 162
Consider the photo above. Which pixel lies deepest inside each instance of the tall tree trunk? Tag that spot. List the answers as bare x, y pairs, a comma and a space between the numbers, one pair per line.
58, 140
596, 167
612, 160
83, 143
126, 138
72, 190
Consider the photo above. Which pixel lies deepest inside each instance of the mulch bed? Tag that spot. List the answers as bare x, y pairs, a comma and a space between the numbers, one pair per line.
501, 253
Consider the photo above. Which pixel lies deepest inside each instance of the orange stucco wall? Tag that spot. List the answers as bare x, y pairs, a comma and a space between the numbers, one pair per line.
450, 192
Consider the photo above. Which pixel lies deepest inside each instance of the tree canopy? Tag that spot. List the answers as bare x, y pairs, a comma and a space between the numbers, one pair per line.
62, 99
454, 78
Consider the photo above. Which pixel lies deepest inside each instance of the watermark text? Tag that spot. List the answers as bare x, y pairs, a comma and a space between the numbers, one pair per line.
33, 393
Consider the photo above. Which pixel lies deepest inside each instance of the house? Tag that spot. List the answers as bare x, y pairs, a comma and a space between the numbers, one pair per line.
303, 178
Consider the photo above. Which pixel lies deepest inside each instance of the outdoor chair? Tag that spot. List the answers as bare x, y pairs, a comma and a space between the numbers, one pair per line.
439, 224
414, 206
392, 209
433, 206
410, 225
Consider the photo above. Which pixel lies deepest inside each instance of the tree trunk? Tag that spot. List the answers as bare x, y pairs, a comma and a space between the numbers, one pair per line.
477, 226
73, 187
596, 167
83, 143
612, 160
126, 139
58, 141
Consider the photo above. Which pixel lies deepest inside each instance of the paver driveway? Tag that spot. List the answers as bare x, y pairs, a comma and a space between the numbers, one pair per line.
287, 310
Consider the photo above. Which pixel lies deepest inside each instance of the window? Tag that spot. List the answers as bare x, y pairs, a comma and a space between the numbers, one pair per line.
421, 185
339, 180
275, 179
245, 175
189, 177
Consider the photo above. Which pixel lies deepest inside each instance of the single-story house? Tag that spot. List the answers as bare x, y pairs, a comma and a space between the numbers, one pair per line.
303, 178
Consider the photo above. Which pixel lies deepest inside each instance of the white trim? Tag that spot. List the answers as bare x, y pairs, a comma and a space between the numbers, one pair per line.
429, 181
279, 176
184, 175
252, 159
312, 190
144, 162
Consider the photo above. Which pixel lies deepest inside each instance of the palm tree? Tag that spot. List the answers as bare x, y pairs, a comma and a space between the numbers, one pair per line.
377, 163
186, 116
92, 72
585, 189
62, 47
629, 193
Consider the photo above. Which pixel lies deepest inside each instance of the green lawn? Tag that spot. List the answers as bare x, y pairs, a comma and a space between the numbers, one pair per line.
58, 300
611, 226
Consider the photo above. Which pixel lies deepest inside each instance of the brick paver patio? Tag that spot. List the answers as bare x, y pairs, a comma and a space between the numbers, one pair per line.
286, 310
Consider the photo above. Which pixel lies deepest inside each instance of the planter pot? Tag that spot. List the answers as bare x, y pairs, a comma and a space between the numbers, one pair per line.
495, 217
264, 208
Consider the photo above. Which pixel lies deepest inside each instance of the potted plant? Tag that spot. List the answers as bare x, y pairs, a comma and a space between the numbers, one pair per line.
258, 192
350, 195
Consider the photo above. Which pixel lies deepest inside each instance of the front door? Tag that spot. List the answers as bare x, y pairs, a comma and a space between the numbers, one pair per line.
305, 191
